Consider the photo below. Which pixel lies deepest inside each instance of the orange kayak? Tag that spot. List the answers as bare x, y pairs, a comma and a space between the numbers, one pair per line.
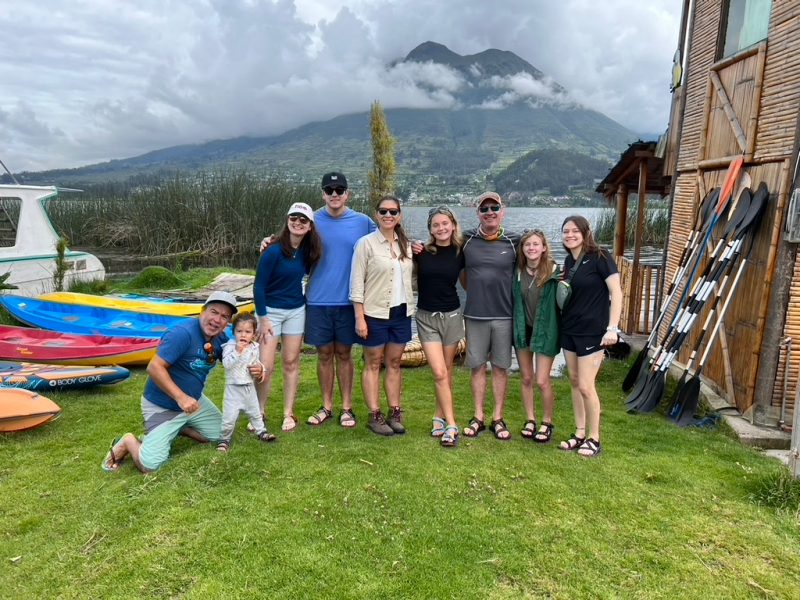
22, 409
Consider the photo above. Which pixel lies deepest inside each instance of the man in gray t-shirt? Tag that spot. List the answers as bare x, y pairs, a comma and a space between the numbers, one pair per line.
489, 256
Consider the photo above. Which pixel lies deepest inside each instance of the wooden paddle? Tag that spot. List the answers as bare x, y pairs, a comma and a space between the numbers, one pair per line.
684, 402
689, 248
740, 223
648, 393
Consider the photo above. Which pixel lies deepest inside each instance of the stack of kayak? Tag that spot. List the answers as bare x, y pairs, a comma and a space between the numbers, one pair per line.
73, 346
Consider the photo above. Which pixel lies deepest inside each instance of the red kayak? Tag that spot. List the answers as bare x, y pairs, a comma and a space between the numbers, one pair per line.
42, 346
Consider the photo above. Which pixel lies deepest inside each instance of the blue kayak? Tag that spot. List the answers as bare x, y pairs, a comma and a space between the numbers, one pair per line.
37, 377
93, 320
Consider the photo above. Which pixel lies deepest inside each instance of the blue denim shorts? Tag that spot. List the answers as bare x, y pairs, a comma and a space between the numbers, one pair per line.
328, 324
394, 330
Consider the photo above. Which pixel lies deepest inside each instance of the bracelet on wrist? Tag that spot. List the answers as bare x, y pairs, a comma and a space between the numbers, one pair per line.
613, 329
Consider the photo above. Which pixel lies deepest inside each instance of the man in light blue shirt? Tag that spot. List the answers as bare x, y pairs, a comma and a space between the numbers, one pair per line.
330, 320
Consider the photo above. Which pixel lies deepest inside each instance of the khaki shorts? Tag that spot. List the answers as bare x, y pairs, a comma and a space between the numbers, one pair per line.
490, 340
446, 329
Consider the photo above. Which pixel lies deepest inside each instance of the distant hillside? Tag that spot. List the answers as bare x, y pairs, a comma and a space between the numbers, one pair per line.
439, 151
551, 171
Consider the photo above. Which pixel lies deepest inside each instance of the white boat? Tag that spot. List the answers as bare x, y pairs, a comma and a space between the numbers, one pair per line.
28, 243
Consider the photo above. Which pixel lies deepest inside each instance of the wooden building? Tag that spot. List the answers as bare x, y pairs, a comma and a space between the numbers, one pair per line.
640, 170
737, 93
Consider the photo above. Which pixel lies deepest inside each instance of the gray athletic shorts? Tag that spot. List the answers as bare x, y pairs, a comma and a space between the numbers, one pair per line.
488, 339
443, 328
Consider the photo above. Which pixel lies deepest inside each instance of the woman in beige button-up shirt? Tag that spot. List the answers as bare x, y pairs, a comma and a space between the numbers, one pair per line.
383, 300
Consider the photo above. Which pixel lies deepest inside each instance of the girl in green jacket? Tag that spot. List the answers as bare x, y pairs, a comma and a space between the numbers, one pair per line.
536, 329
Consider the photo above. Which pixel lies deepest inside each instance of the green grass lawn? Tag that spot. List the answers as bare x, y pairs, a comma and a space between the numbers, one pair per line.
336, 513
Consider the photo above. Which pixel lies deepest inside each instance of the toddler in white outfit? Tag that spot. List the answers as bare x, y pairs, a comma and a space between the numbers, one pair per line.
240, 391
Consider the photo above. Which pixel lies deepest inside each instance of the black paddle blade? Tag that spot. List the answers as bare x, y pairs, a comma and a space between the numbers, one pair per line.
655, 393
708, 205
674, 398
739, 213
639, 389
686, 402
758, 204
636, 367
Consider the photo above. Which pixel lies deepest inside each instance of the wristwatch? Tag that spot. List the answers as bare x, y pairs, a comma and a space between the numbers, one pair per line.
613, 329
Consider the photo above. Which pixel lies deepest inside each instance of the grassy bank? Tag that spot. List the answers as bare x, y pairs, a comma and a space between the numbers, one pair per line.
329, 513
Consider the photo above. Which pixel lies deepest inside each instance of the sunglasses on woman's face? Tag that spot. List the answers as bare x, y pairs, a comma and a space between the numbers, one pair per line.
491, 207
388, 211
440, 210
330, 191
295, 218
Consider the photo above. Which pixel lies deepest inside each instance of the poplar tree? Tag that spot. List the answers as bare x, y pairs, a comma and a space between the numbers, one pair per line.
381, 177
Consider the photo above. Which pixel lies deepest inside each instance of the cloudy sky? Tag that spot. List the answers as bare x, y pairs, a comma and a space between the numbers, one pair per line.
89, 80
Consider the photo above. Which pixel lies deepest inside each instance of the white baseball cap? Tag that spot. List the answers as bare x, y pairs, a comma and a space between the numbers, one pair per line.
301, 208
225, 298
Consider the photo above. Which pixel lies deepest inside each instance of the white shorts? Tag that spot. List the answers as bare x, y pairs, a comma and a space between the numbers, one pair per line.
287, 321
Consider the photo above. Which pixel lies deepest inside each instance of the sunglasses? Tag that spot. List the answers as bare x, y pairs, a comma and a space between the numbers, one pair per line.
330, 191
486, 209
440, 210
296, 218
388, 211
211, 356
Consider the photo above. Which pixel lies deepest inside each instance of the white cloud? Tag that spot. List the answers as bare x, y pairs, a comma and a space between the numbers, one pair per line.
90, 80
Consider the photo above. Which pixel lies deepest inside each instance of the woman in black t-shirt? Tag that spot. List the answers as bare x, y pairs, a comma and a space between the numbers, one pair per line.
588, 322
440, 324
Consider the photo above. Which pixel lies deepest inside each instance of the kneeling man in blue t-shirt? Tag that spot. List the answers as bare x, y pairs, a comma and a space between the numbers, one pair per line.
173, 402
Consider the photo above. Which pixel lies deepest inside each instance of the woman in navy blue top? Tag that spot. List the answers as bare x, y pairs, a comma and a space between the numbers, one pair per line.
280, 303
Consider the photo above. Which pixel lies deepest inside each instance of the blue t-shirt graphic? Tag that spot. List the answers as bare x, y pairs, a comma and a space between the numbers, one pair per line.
183, 348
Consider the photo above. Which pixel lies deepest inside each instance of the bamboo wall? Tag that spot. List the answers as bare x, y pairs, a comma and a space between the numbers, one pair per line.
763, 86
701, 56
780, 99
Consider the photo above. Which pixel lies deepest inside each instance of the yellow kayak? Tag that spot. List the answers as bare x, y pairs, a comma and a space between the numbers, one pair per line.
156, 306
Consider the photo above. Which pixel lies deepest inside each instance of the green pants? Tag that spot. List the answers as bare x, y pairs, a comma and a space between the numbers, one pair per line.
206, 421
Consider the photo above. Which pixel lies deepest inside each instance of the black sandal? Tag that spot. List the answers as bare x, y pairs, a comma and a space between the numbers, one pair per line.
528, 429
266, 436
572, 443
474, 428
497, 427
545, 433
590, 448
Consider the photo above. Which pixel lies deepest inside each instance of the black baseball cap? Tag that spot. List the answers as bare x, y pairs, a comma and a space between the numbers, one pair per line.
334, 179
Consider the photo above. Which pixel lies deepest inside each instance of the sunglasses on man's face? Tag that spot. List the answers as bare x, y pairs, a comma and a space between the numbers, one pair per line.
211, 356
330, 191
295, 218
388, 211
486, 209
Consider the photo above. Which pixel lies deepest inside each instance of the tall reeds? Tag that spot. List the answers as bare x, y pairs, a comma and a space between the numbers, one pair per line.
656, 226
220, 215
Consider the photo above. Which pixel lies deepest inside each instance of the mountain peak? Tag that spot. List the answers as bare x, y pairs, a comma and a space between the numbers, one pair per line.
432, 51
478, 70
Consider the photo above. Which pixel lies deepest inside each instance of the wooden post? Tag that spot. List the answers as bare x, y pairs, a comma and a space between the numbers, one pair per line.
637, 248
764, 301
622, 220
